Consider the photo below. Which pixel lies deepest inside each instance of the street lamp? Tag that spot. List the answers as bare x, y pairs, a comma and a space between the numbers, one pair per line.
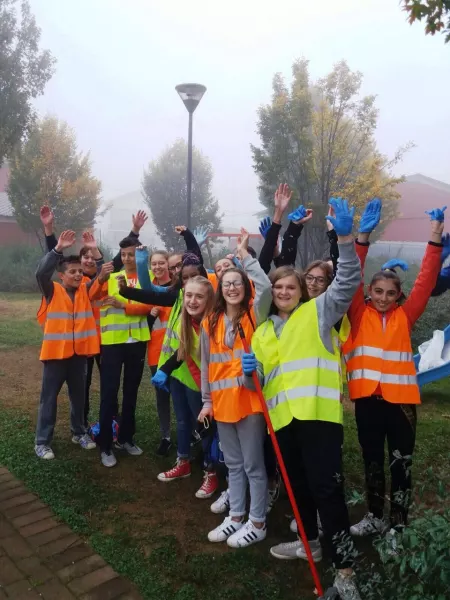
191, 94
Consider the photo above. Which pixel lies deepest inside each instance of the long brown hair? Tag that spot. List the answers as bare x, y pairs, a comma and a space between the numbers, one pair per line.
220, 304
288, 271
324, 266
389, 276
186, 331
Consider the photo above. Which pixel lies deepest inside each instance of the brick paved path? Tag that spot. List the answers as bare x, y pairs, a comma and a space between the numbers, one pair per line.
41, 558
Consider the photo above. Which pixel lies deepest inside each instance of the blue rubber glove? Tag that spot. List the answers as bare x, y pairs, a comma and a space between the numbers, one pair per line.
159, 380
446, 247
142, 255
395, 262
200, 234
248, 363
264, 226
343, 216
371, 216
237, 263
436, 214
299, 213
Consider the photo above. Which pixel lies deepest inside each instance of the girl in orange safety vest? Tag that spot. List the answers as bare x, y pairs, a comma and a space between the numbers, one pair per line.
236, 410
382, 380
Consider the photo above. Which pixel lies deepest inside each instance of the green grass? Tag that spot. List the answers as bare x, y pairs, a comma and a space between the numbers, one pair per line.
155, 534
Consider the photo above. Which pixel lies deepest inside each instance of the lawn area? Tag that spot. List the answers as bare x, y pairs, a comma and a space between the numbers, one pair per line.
155, 534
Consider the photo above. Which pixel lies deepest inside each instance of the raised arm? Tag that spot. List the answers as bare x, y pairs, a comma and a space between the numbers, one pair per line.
46, 216
49, 262
297, 220
282, 198
138, 221
190, 241
263, 287
418, 298
142, 267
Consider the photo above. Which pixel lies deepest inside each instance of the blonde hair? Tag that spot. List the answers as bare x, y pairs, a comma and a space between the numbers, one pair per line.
186, 331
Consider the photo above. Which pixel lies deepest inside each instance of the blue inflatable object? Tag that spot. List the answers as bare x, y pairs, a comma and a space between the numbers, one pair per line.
436, 373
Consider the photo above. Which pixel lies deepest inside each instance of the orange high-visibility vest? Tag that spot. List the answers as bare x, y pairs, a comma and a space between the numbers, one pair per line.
231, 401
157, 335
212, 277
96, 304
381, 355
69, 327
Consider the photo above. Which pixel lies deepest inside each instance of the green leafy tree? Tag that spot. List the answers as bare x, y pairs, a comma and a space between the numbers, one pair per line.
435, 13
47, 169
319, 138
164, 189
24, 72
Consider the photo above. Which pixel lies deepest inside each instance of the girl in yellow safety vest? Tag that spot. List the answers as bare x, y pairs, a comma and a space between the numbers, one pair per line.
294, 355
236, 410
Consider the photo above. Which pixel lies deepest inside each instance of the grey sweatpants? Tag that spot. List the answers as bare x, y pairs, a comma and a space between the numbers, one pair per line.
73, 371
242, 445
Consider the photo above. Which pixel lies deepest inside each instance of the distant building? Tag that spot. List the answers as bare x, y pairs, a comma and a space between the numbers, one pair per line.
117, 222
10, 231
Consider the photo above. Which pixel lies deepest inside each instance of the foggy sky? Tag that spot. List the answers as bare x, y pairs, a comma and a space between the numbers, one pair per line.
119, 61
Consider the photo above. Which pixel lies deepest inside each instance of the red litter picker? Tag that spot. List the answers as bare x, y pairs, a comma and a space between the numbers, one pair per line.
331, 593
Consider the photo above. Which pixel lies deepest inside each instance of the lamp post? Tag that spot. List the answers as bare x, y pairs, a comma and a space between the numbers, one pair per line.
191, 94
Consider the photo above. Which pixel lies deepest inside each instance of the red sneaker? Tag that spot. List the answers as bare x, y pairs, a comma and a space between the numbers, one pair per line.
181, 470
209, 486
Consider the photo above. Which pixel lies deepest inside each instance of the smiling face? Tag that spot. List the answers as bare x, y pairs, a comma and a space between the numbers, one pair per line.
188, 272
175, 264
88, 262
72, 275
222, 265
160, 267
316, 282
286, 294
233, 289
384, 293
195, 299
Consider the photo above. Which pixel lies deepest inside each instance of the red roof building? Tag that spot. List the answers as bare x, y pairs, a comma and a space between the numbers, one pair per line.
10, 232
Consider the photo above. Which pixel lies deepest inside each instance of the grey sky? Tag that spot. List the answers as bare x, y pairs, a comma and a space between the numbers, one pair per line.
118, 63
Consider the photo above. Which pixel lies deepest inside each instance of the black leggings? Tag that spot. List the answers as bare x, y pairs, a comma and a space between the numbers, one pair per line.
378, 420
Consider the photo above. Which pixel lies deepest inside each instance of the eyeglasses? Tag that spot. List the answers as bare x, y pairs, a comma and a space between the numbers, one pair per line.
236, 284
319, 280
177, 267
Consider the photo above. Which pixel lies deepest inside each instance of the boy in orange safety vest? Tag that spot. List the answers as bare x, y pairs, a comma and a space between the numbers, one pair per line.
70, 336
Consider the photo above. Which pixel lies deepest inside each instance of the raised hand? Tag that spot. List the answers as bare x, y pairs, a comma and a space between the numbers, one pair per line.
343, 219
180, 229
282, 198
371, 216
89, 240
436, 214
46, 216
248, 361
200, 234
394, 263
330, 214
139, 220
66, 240
243, 243
264, 226
105, 271
301, 215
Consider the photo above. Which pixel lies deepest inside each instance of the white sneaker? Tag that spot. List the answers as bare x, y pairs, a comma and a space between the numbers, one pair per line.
85, 441
132, 449
44, 452
368, 526
222, 504
286, 551
247, 535
224, 530
108, 459
316, 550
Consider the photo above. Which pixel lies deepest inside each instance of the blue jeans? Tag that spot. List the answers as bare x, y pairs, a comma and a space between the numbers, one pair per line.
187, 405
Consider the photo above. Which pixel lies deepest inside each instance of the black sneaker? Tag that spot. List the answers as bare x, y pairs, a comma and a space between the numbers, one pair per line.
164, 447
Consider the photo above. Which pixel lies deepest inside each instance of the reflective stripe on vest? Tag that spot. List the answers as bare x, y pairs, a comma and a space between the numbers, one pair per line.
116, 327
380, 361
69, 325
231, 400
157, 325
302, 378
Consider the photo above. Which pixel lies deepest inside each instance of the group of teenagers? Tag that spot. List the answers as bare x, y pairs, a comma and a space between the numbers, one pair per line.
206, 334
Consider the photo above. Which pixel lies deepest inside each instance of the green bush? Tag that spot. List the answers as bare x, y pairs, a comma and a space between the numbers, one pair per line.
17, 268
